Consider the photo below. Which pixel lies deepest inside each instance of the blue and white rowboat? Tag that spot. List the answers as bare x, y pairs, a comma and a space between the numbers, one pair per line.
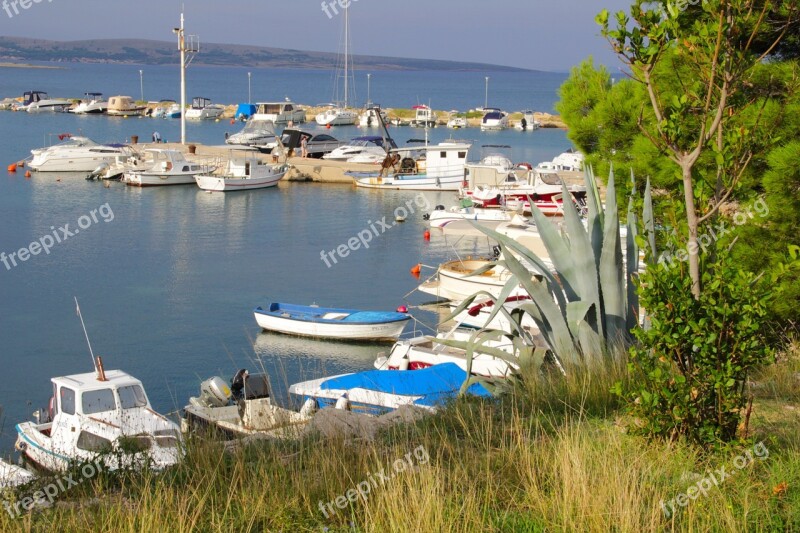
331, 323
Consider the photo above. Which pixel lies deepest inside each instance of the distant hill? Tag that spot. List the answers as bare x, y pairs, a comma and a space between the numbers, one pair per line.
149, 52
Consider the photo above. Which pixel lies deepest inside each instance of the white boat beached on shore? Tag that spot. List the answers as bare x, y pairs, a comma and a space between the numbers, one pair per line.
331, 323
241, 409
242, 175
90, 414
376, 392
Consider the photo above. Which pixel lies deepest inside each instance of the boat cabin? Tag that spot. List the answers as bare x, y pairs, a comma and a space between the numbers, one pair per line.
172, 161
118, 406
444, 158
121, 104
30, 97
199, 102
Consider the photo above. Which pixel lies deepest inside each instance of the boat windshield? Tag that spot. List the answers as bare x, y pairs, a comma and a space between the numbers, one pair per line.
257, 126
132, 396
98, 401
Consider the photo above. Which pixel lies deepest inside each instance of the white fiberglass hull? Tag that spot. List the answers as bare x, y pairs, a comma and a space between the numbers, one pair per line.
69, 162
340, 118
224, 184
441, 218
142, 179
389, 330
416, 182
455, 282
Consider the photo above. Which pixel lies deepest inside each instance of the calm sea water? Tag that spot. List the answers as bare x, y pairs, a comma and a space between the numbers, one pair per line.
167, 284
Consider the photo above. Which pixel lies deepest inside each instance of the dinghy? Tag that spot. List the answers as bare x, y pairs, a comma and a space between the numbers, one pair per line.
331, 323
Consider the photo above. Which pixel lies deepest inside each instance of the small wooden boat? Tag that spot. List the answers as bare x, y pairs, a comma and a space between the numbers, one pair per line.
243, 174
241, 409
377, 392
331, 323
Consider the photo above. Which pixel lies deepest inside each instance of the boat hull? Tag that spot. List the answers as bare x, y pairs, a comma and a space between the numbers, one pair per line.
291, 324
411, 183
69, 164
156, 180
223, 184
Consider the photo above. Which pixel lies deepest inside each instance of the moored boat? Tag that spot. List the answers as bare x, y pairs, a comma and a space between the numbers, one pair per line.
75, 154
167, 167
203, 109
93, 104
241, 409
376, 392
100, 415
331, 323
124, 106
243, 174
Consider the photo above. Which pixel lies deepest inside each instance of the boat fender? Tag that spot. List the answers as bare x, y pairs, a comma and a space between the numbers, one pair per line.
342, 403
525, 165
403, 364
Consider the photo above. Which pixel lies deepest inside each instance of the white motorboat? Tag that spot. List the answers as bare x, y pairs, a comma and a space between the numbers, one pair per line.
423, 352
39, 101
203, 109
166, 167
243, 174
331, 323
437, 167
457, 121
337, 116
494, 119
424, 117
479, 316
93, 104
124, 106
441, 217
75, 154
279, 112
362, 148
455, 280
103, 415
163, 109
256, 132
527, 122
241, 409
174, 111
570, 160
369, 118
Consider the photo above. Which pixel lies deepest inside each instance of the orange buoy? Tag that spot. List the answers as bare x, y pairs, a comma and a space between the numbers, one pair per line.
12, 167
416, 269
327, 126
21, 163
233, 121
27, 173
426, 235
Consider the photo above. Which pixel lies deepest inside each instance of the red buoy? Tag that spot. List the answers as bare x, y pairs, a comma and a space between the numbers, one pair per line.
28, 174
402, 309
426, 235
12, 167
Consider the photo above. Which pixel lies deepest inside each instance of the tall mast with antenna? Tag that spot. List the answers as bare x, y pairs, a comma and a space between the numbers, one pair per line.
346, 51
91, 353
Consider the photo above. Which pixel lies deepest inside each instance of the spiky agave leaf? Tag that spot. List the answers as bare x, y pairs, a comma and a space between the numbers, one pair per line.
632, 262
612, 273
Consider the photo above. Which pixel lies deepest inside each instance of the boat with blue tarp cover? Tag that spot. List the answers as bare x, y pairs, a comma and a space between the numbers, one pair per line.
379, 391
332, 323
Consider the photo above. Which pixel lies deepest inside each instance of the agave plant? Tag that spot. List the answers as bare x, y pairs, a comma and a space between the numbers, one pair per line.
587, 304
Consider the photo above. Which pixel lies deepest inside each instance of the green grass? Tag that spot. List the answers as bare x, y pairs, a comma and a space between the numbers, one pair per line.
554, 456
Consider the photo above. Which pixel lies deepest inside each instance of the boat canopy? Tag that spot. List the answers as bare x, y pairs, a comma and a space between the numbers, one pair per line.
245, 110
199, 102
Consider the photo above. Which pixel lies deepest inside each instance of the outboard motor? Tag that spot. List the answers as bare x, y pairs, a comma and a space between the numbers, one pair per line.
214, 392
439, 207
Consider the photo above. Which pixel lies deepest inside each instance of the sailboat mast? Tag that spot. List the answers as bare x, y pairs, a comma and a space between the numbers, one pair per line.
346, 51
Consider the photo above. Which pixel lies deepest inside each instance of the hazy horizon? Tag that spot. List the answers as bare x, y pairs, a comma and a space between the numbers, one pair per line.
526, 34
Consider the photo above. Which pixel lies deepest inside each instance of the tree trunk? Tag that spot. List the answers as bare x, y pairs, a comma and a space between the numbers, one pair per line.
691, 219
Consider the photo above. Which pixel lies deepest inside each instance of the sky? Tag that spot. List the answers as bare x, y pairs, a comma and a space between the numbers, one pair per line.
551, 35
